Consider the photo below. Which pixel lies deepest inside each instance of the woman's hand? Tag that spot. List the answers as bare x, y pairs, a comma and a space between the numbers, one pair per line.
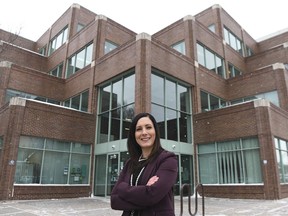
152, 180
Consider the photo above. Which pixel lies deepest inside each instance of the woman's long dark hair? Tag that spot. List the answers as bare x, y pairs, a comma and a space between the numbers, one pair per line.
133, 147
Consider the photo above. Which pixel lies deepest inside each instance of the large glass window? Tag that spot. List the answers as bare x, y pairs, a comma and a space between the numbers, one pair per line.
79, 60
230, 162
47, 161
210, 60
58, 40
116, 109
281, 147
171, 106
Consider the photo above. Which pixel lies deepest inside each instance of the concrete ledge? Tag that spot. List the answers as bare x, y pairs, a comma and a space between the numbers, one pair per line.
261, 103
278, 66
101, 17
6, 64
143, 36
189, 17
17, 101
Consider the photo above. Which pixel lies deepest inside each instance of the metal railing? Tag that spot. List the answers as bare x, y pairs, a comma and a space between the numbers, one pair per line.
189, 199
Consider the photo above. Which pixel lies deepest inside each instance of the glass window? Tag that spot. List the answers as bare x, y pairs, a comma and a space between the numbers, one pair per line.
28, 166
212, 28
211, 102
80, 27
270, 96
79, 60
172, 124
54, 168
117, 94
89, 54
219, 67
233, 41
180, 47
84, 101
57, 71
230, 162
233, 71
157, 83
210, 60
159, 113
129, 90
78, 102
281, 147
114, 118
109, 46
71, 66
226, 36
128, 114
13, 93
42, 51
174, 113
75, 102
200, 54
183, 99
58, 40
170, 93
103, 133
63, 162
79, 171
115, 121
204, 101
214, 102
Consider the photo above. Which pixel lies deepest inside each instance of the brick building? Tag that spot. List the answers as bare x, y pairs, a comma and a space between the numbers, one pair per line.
219, 96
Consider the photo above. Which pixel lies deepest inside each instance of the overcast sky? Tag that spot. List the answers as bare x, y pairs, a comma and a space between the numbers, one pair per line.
33, 17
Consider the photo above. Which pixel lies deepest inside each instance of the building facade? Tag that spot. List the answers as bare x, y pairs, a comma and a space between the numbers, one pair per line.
219, 96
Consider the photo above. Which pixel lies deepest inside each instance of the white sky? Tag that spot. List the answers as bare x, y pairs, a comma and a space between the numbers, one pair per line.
33, 17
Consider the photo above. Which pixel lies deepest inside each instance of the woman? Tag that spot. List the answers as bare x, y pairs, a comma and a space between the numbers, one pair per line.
144, 187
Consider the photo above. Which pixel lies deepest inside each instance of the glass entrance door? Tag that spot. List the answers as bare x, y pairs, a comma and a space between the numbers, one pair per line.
107, 170
112, 172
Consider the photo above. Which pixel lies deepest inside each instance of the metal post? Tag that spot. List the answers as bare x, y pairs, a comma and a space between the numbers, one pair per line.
189, 199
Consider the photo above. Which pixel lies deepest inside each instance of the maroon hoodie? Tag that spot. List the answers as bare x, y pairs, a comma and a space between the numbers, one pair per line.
154, 200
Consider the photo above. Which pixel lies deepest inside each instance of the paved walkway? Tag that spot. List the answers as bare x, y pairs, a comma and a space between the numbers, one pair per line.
101, 207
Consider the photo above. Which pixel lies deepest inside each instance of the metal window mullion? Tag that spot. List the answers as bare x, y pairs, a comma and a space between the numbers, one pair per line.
165, 110
177, 113
69, 164
42, 163
80, 102
209, 103
217, 163
243, 170
110, 112
121, 110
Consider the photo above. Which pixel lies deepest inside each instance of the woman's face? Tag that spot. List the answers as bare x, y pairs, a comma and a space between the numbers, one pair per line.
145, 134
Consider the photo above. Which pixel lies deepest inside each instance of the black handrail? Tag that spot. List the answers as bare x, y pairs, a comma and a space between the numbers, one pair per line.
189, 199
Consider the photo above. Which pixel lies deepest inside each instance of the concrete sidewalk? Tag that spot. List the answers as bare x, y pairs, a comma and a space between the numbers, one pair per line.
101, 207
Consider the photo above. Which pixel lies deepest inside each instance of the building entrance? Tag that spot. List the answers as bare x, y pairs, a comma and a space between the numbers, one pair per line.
108, 167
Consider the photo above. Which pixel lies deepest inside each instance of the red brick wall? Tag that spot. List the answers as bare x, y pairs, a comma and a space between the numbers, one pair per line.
42, 120
50, 192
